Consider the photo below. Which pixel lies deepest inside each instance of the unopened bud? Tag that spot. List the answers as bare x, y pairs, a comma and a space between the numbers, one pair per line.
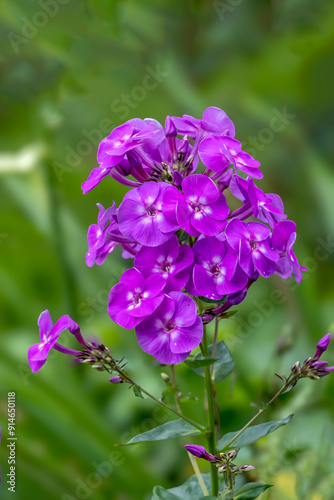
222, 468
245, 468
165, 377
232, 454
296, 367
116, 380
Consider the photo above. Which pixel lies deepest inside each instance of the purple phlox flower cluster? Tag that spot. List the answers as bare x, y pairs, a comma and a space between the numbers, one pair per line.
49, 334
177, 224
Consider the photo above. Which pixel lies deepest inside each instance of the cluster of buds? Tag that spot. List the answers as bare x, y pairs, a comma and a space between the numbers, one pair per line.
313, 368
223, 462
99, 357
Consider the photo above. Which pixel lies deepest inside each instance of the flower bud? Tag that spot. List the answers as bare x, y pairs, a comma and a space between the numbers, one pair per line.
116, 380
232, 454
165, 377
322, 346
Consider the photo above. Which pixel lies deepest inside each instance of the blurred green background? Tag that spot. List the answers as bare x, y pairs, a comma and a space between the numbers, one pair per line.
71, 71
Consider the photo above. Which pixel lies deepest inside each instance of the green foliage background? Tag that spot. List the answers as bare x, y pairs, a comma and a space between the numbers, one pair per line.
64, 80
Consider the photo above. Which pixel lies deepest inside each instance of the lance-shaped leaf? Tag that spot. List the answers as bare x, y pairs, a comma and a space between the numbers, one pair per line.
251, 490
252, 434
175, 428
222, 367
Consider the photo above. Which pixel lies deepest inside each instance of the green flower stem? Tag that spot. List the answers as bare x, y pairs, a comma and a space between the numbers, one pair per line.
160, 402
210, 434
177, 402
261, 410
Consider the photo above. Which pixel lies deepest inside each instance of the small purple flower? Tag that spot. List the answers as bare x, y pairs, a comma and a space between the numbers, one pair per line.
266, 207
251, 241
216, 271
141, 217
322, 346
214, 121
105, 235
168, 260
200, 452
218, 153
282, 240
172, 331
113, 148
202, 209
49, 334
135, 297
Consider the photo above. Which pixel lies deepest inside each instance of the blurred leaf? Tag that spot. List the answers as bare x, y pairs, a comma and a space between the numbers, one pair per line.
222, 367
252, 434
190, 490
198, 362
176, 428
137, 391
251, 490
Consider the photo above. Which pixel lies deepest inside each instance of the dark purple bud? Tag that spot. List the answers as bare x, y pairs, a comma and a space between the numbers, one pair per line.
200, 452
322, 346
328, 370
116, 380
170, 128
319, 364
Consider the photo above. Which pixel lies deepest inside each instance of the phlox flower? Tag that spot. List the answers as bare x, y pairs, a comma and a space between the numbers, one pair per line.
201, 209
49, 334
104, 236
283, 238
135, 297
251, 242
172, 331
214, 121
169, 260
141, 218
218, 153
267, 207
216, 271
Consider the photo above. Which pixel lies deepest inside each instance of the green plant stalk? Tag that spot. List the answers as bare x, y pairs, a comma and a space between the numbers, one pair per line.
210, 435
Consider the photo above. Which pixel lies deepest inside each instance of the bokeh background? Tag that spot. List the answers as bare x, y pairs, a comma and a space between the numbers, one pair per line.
71, 71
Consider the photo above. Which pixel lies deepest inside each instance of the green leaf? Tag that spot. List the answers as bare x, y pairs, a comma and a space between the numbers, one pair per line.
137, 391
175, 428
198, 362
190, 490
251, 490
222, 367
252, 434
226, 494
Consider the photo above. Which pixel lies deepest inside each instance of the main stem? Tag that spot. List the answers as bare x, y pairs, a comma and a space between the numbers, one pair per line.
210, 435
